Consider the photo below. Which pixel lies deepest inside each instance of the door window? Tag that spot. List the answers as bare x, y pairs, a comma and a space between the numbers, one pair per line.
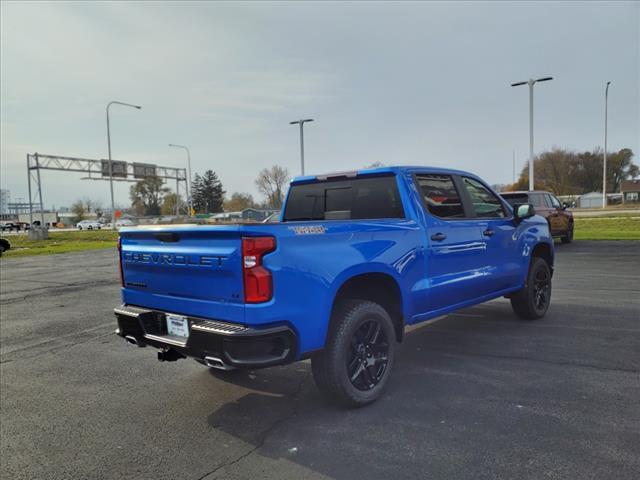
555, 203
485, 203
440, 196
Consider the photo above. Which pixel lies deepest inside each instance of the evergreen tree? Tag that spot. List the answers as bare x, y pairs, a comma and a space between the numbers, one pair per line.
239, 201
196, 188
207, 193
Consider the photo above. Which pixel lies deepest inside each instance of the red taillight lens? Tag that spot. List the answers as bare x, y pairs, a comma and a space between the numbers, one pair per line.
120, 261
258, 284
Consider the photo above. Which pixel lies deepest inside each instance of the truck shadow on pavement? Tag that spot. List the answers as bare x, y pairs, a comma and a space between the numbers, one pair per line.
469, 381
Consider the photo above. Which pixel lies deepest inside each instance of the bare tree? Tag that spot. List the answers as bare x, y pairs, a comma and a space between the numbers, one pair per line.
146, 196
170, 203
79, 211
238, 201
567, 172
271, 183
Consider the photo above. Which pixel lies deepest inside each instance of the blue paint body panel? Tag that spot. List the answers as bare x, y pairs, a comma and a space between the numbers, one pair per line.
200, 274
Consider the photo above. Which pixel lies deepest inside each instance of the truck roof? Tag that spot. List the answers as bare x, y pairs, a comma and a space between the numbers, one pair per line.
378, 170
523, 192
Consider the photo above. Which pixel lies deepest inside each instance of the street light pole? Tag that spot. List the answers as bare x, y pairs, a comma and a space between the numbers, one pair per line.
189, 199
113, 209
301, 123
604, 166
531, 82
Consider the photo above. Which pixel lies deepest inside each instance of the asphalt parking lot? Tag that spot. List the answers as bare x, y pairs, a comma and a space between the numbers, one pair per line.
478, 394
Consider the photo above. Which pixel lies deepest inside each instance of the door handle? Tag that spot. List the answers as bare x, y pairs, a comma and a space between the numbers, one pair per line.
488, 232
438, 237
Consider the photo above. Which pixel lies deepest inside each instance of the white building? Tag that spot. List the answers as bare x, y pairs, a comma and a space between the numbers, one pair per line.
5, 198
590, 200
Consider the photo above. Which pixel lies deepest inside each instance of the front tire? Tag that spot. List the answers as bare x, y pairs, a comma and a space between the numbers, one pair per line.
357, 361
568, 238
532, 302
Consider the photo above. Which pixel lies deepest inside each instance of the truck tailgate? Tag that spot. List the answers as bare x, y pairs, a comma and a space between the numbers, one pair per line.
187, 270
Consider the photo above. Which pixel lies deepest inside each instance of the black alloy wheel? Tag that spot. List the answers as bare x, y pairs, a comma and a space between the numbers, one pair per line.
368, 356
542, 289
356, 363
532, 302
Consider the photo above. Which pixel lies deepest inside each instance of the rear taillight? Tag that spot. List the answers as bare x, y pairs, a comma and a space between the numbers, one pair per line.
258, 284
120, 261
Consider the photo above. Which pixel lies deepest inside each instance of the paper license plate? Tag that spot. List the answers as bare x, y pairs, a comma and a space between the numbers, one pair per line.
177, 325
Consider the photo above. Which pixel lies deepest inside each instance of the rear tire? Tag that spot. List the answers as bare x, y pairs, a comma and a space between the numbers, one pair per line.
357, 361
532, 302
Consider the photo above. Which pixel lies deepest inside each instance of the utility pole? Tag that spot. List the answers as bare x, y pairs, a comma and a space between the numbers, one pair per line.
531, 82
189, 199
604, 166
301, 123
113, 208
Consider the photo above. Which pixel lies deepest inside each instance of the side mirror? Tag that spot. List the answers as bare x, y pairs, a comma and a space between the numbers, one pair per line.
565, 205
523, 211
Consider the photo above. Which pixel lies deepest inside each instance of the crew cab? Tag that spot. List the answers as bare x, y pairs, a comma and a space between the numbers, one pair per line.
355, 258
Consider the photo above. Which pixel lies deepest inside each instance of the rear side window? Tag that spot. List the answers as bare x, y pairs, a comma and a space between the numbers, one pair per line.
485, 203
357, 199
440, 196
537, 200
515, 198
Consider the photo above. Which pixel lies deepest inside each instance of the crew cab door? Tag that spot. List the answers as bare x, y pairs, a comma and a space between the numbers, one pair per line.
455, 251
502, 261
558, 218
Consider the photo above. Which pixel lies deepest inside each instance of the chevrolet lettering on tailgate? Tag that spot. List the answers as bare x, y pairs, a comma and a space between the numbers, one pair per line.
174, 259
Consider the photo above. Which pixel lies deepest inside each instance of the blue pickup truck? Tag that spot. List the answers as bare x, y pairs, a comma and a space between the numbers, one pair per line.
355, 257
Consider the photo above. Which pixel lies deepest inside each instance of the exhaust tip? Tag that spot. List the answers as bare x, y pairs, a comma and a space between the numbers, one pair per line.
131, 340
218, 364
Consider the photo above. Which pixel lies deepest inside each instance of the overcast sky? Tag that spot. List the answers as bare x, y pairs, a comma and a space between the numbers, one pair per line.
412, 83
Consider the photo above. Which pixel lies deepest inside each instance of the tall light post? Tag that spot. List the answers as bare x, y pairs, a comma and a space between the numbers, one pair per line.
189, 199
301, 123
113, 207
531, 82
604, 166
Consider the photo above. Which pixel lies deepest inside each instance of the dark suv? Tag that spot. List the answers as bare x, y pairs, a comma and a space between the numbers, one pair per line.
547, 205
